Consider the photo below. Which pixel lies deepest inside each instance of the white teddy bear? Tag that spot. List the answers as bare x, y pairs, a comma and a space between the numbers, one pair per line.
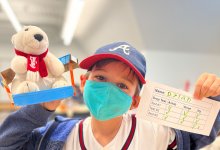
35, 67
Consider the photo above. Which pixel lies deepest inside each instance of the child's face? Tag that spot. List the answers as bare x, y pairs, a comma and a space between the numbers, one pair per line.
117, 73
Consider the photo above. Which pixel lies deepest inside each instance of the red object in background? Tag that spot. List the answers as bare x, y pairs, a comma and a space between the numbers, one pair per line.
187, 86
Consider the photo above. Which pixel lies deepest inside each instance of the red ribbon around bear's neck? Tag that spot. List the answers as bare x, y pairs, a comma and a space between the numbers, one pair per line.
35, 62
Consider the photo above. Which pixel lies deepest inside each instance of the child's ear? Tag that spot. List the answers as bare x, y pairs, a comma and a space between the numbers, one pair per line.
135, 102
83, 79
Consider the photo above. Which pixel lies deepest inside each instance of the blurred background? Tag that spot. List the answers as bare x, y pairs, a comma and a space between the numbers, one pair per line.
180, 39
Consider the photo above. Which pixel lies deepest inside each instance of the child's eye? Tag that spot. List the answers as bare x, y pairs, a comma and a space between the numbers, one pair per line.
26, 29
122, 86
100, 78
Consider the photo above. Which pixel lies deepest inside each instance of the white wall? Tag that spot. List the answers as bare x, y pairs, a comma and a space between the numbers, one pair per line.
174, 68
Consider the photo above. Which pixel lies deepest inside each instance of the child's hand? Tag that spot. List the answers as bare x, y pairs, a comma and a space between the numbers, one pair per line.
207, 85
51, 106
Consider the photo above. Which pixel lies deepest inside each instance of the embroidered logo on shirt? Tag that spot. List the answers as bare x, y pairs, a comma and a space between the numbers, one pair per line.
125, 49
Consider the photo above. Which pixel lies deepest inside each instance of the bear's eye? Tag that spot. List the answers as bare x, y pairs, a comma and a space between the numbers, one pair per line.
26, 29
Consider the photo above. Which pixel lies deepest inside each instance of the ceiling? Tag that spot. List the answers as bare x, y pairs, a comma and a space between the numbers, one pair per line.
191, 26
48, 15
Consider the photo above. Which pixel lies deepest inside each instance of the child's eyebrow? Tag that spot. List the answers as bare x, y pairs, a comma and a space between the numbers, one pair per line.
129, 80
99, 69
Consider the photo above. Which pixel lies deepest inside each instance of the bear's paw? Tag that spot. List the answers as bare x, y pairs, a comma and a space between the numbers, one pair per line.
27, 86
59, 83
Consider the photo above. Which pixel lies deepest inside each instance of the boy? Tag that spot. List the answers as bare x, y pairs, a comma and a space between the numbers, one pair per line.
116, 75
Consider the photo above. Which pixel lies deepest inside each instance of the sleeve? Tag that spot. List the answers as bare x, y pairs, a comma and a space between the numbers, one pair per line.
187, 140
16, 132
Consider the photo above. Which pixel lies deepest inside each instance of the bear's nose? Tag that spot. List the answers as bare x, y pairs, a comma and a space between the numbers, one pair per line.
38, 37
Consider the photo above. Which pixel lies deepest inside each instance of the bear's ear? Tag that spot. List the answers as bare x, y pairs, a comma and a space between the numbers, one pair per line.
12, 39
25, 27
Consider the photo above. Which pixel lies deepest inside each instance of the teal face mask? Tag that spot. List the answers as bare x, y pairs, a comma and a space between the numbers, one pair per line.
105, 100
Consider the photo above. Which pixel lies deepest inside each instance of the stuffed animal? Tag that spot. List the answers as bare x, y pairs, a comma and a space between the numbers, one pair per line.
34, 66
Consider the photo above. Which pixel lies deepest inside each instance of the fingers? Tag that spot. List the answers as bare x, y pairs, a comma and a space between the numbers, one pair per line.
199, 85
213, 90
217, 93
207, 85
51, 105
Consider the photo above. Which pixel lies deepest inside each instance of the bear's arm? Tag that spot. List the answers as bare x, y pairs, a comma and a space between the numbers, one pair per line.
54, 65
19, 64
